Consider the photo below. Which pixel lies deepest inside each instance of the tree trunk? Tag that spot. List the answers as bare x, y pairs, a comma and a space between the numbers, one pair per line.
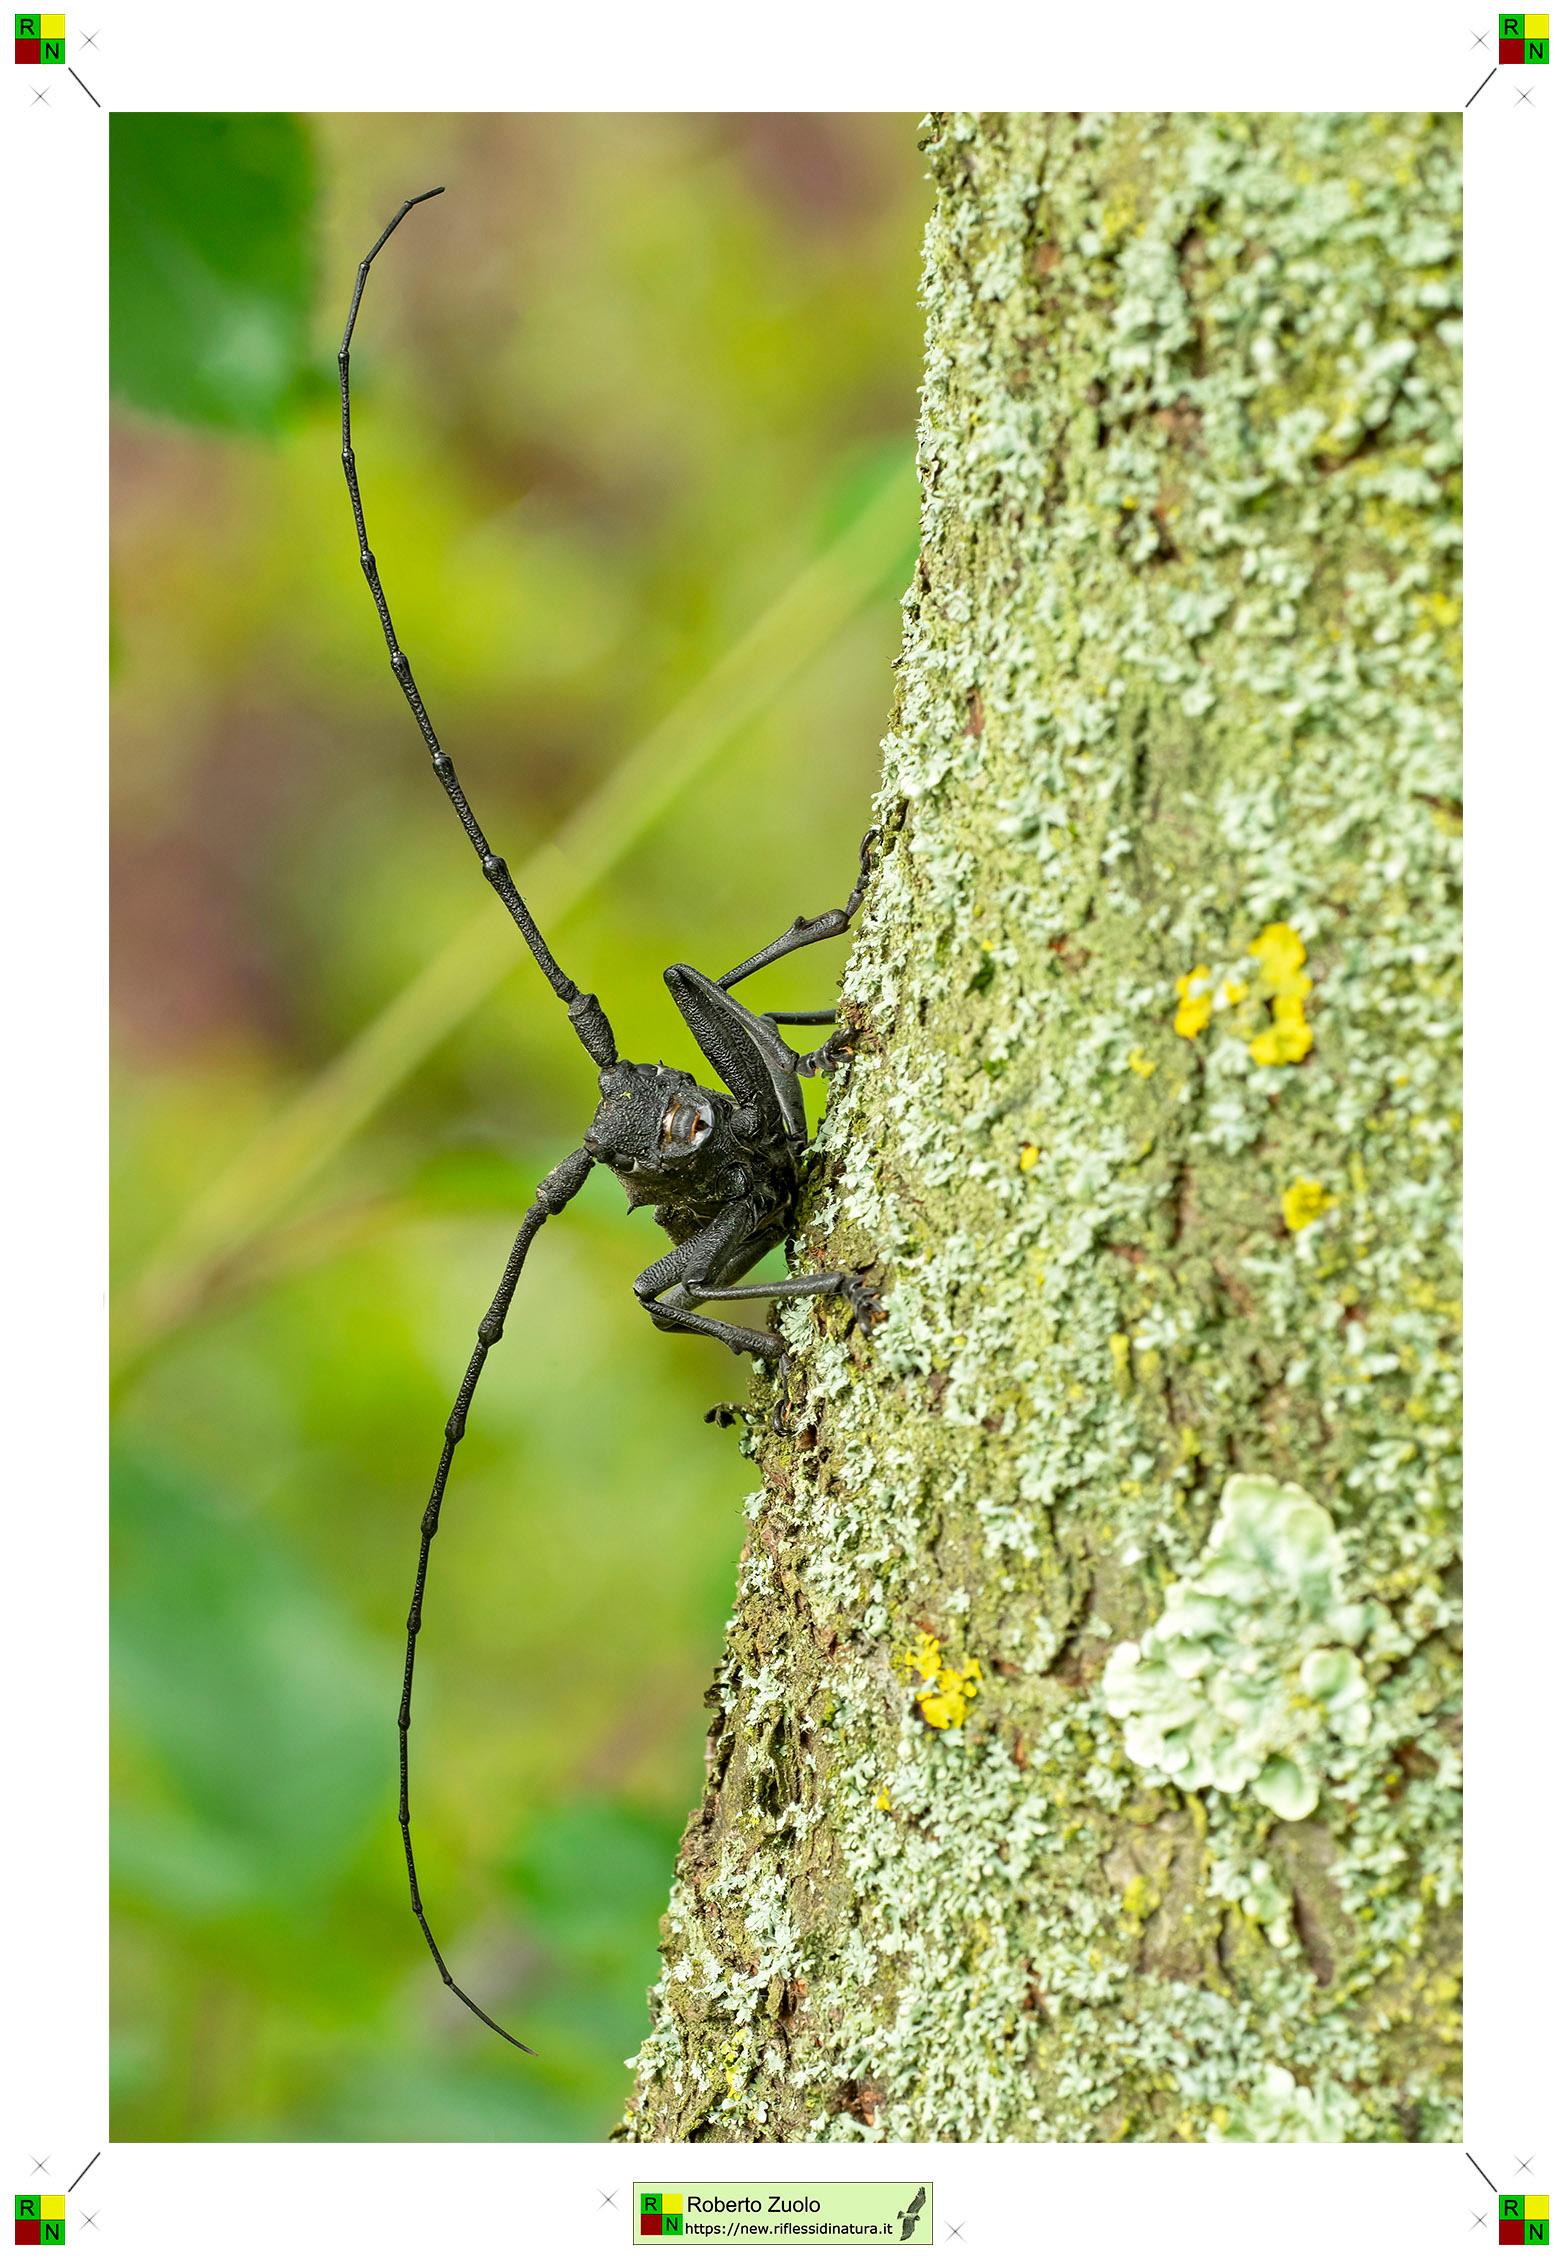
1083, 1764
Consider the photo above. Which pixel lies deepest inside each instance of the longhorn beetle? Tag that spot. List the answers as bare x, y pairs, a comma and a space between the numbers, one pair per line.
722, 1167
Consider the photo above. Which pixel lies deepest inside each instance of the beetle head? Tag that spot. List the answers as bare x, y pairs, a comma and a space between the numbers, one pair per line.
649, 1118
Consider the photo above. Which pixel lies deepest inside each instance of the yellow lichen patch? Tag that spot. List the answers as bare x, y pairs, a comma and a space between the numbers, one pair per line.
883, 1801
1280, 954
1139, 1899
1140, 1064
1118, 215
1304, 1201
1234, 990
1195, 1008
1028, 1156
1120, 1359
945, 1691
1286, 1041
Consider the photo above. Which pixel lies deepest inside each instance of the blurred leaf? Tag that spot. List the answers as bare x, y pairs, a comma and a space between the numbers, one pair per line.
256, 1694
594, 1878
212, 260
425, 2102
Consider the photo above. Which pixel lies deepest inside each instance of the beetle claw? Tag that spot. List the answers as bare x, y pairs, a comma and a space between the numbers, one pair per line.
867, 1306
780, 1426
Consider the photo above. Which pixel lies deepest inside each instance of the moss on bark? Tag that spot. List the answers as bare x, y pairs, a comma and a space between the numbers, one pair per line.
1152, 1133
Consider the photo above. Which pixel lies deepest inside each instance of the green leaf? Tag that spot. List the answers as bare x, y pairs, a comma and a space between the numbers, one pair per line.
212, 265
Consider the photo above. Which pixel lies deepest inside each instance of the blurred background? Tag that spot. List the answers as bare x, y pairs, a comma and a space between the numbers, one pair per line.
634, 410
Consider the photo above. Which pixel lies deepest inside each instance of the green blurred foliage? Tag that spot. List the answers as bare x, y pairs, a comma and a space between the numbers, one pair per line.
614, 393
212, 265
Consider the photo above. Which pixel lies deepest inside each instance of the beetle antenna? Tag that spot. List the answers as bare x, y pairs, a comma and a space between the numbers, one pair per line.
561, 1185
588, 1017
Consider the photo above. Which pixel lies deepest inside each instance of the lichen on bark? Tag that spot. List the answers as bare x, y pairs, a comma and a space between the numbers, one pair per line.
1151, 1133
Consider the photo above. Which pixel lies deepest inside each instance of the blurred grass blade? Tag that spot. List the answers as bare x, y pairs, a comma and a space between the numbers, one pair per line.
334, 1106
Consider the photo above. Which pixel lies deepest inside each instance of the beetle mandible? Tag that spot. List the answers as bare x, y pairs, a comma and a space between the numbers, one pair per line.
721, 1168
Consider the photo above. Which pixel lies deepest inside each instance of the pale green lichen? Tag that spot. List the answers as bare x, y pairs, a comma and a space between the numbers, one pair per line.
1249, 1678
1279, 2109
1255, 1890
1179, 668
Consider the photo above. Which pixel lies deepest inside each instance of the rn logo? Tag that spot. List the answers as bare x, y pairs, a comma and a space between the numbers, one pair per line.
40, 2220
1525, 39
40, 39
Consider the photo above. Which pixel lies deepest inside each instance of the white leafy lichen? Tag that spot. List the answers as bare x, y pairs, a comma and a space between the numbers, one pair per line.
1250, 1675
1279, 2109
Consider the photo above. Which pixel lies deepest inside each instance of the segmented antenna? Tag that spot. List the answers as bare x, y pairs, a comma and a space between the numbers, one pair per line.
587, 1015
562, 1183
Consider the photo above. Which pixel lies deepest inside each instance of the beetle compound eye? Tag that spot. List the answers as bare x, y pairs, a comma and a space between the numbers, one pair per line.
686, 1125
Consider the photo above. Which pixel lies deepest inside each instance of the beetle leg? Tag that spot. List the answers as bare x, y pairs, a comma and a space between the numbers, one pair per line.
779, 1424
726, 1415
827, 1058
666, 1292
804, 931
847, 1283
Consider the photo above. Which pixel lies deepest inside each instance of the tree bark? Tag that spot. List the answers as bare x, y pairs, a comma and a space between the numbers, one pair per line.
1083, 1761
